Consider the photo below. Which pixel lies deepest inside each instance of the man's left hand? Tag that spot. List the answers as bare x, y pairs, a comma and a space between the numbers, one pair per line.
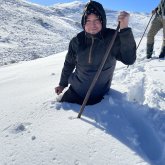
123, 18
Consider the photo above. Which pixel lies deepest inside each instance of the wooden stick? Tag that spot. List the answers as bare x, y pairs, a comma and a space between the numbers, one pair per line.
98, 72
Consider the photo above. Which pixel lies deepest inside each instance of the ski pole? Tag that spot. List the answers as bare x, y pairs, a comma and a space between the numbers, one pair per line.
144, 33
98, 72
145, 30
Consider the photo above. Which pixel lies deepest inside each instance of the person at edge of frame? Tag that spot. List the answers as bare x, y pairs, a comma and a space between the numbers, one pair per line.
157, 24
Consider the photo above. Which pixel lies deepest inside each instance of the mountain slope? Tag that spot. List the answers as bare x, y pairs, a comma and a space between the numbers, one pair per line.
29, 31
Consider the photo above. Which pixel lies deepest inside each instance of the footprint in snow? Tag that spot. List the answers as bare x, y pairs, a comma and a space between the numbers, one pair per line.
57, 106
76, 162
72, 118
17, 128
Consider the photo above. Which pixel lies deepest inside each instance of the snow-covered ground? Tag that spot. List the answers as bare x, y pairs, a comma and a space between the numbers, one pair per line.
126, 128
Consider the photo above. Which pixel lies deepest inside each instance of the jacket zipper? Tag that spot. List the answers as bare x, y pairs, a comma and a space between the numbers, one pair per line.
90, 51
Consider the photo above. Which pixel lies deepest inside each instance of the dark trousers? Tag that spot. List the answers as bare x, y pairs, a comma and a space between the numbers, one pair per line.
72, 97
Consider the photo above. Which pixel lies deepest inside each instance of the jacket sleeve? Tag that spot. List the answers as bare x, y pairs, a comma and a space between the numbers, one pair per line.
69, 64
127, 47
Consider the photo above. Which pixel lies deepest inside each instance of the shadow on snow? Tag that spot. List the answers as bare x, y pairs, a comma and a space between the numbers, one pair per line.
128, 122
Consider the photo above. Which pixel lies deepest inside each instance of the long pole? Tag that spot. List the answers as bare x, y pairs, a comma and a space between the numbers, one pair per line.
145, 30
98, 72
144, 33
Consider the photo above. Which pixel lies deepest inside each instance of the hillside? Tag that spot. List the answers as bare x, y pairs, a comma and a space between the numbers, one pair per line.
29, 31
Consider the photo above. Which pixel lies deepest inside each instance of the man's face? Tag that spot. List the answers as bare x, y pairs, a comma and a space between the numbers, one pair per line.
93, 24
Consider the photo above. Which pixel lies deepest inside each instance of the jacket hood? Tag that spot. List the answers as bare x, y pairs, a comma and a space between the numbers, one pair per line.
99, 8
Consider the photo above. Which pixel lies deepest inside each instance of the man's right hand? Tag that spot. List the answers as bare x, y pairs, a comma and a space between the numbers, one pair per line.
154, 11
59, 89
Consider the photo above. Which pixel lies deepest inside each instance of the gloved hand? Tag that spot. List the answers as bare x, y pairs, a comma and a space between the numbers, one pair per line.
155, 10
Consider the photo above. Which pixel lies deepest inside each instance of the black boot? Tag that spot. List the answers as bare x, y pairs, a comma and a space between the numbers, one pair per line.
149, 50
162, 53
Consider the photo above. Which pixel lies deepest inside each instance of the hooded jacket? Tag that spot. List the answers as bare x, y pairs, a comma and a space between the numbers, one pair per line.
85, 54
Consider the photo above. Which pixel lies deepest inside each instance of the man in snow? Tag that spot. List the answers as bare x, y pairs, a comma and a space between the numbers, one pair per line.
86, 51
157, 24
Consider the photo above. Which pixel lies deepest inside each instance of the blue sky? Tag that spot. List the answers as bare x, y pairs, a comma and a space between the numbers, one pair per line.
130, 5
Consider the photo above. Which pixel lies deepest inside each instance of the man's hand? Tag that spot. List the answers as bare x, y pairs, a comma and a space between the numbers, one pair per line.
59, 89
155, 10
123, 18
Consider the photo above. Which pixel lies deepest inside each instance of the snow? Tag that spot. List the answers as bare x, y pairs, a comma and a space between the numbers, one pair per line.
72, 5
37, 31
126, 128
29, 31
